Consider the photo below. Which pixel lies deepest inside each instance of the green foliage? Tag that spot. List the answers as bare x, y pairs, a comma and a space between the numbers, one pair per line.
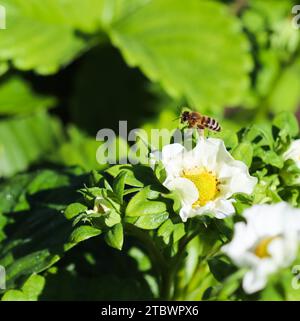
145, 203
177, 54
25, 45
115, 236
74, 209
30, 290
244, 152
25, 137
25, 140
83, 233
275, 86
25, 102
79, 149
35, 200
137, 60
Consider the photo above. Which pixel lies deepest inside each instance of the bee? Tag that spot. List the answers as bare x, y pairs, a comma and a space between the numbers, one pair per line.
196, 120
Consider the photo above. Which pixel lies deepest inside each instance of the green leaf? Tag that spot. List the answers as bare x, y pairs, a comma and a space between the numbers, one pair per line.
151, 221
147, 209
220, 268
230, 285
244, 153
290, 173
36, 200
287, 123
270, 157
286, 94
144, 203
179, 232
137, 175
26, 139
130, 177
30, 290
42, 36
260, 135
16, 97
118, 186
83, 233
74, 209
112, 218
165, 231
169, 230
3, 222
115, 236
79, 149
91, 193
174, 49
266, 191
230, 139
14, 295
33, 286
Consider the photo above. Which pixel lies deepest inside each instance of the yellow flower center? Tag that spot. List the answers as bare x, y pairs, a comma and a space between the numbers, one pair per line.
206, 183
261, 250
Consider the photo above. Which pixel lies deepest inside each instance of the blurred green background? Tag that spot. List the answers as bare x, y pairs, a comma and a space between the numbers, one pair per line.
69, 68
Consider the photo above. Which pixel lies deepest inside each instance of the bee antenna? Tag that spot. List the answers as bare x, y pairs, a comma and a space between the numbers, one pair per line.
179, 109
177, 118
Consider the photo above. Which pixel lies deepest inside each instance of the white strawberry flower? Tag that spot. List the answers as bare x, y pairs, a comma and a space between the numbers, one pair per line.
293, 152
205, 177
268, 242
100, 206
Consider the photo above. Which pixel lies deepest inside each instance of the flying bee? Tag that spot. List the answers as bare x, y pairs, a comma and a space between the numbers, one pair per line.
196, 120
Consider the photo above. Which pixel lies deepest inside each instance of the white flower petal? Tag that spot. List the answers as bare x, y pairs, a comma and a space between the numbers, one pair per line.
201, 210
268, 242
185, 189
172, 151
224, 208
238, 248
209, 155
284, 248
254, 281
237, 178
206, 152
185, 212
172, 157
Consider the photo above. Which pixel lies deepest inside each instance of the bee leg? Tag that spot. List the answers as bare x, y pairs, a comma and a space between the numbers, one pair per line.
201, 132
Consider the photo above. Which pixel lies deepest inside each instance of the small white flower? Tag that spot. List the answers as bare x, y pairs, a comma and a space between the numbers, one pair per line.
99, 206
205, 177
266, 243
293, 152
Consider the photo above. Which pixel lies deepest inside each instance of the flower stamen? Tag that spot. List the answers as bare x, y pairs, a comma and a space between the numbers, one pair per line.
206, 183
261, 249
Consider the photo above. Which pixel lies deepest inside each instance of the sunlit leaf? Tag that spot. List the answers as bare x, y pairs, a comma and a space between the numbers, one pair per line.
174, 49
42, 35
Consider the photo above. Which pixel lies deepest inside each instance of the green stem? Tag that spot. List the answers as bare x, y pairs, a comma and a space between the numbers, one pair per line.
158, 262
155, 255
165, 271
178, 259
